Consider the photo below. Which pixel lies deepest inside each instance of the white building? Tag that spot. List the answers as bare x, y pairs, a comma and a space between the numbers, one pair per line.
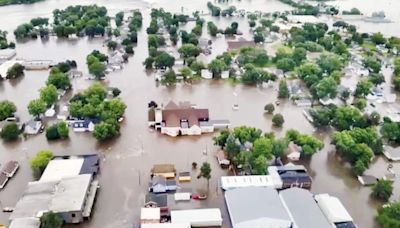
198, 217
334, 210
233, 182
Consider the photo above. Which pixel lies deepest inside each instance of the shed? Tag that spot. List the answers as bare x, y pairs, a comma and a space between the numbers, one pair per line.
33, 127
222, 159
258, 207
10, 168
333, 209
165, 170
294, 152
185, 177
150, 215
198, 217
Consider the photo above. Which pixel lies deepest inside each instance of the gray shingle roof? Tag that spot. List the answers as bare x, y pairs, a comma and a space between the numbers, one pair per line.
303, 209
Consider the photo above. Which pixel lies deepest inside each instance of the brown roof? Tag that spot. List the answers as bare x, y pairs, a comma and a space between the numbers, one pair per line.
238, 44
172, 117
171, 105
163, 168
152, 114
10, 168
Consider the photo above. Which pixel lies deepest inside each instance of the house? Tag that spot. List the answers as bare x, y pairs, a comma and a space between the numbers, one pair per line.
334, 211
222, 159
239, 44
234, 182
165, 170
291, 176
83, 125
294, 152
392, 154
367, 180
37, 64
206, 74
160, 184
166, 225
184, 119
157, 200
210, 217
33, 127
256, 207
303, 209
150, 215
10, 168
72, 198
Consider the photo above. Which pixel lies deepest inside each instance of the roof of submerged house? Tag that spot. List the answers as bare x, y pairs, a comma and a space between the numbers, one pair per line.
238, 44
173, 116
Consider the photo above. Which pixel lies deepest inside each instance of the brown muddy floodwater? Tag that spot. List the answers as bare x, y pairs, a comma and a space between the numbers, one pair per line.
127, 160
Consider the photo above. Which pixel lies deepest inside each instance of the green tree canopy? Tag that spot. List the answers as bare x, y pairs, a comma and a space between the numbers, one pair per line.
7, 109
40, 161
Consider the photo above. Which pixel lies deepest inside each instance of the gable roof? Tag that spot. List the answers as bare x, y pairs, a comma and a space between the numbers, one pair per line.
172, 117
256, 207
160, 199
303, 209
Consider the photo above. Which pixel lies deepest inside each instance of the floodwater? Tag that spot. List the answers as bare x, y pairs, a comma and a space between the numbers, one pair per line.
127, 160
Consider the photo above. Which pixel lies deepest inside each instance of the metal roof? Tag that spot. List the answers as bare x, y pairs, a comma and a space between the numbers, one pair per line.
256, 207
303, 209
333, 208
59, 168
232, 182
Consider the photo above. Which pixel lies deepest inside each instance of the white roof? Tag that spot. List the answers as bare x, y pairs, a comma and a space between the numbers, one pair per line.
150, 213
231, 182
198, 217
166, 225
179, 196
60, 168
333, 208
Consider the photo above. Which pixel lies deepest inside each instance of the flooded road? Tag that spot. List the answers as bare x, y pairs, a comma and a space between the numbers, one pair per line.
127, 160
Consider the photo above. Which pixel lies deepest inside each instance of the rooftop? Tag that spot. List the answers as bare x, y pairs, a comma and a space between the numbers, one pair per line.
60, 168
163, 168
66, 194
256, 207
303, 209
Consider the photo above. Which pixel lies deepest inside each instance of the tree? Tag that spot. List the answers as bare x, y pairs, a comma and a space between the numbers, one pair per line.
205, 172
10, 132
216, 66
324, 88
97, 69
15, 71
106, 130
7, 109
299, 54
278, 148
269, 108
148, 62
40, 161
51, 220
347, 117
36, 107
329, 63
360, 103
278, 120
321, 117
375, 118
382, 190
378, 38
164, 60
59, 80
309, 144
112, 45
286, 64
263, 147
283, 89
390, 130
259, 165
189, 50
49, 95
212, 28
129, 49
169, 78
222, 137
363, 88
372, 63
389, 216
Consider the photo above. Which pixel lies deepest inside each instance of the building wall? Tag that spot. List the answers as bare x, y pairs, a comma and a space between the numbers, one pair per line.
72, 216
171, 131
207, 129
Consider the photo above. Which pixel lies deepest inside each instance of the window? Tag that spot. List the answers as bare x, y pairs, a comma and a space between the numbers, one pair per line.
73, 215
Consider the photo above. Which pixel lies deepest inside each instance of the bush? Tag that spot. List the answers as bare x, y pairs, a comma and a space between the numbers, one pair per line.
10, 132
269, 108
40, 161
57, 131
278, 120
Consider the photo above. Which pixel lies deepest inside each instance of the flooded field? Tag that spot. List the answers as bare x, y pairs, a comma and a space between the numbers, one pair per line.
127, 160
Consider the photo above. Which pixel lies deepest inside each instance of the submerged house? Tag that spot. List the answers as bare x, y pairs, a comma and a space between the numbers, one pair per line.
183, 119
